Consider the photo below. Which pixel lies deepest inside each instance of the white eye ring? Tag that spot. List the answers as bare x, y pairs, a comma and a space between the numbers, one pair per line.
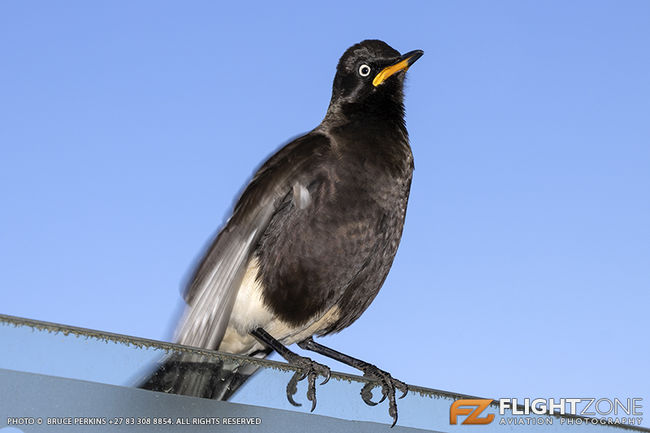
364, 70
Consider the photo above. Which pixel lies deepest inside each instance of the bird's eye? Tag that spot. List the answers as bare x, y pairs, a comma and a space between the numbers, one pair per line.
364, 70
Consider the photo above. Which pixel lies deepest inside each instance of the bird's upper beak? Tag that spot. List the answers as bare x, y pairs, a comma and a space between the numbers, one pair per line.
401, 64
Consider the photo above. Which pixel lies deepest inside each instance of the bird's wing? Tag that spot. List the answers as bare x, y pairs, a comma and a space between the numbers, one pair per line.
211, 292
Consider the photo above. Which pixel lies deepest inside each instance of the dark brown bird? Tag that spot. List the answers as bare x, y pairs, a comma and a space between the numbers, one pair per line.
311, 239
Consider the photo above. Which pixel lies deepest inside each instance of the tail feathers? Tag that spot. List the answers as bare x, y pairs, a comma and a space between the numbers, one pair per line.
192, 375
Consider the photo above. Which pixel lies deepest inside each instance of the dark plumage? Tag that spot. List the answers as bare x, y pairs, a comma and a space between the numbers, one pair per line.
313, 236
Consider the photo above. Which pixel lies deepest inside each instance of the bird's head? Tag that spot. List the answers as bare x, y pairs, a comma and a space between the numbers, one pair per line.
370, 75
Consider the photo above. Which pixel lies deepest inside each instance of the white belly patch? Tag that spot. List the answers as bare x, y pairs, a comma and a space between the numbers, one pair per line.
249, 312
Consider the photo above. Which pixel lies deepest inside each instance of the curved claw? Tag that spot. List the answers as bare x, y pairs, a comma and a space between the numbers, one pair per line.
392, 407
388, 387
310, 370
366, 394
327, 377
311, 390
292, 387
394, 418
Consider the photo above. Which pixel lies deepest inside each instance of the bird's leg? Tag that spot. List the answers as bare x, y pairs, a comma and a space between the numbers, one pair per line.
310, 369
388, 383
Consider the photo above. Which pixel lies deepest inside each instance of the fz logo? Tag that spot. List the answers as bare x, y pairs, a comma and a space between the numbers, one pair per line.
472, 408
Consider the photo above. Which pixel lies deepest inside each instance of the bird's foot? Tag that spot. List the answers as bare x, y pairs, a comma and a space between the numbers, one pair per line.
388, 386
308, 369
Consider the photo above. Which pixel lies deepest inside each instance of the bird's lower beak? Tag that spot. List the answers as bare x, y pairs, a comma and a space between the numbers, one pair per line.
402, 64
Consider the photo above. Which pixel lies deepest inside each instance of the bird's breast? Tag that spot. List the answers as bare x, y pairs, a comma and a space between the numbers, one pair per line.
250, 312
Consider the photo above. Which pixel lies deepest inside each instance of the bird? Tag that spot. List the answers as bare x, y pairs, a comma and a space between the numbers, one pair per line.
310, 240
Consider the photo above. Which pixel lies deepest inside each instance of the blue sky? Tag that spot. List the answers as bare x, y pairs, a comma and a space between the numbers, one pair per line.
127, 129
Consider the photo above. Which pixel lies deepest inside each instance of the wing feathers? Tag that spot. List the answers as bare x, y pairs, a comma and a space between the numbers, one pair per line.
206, 319
213, 289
